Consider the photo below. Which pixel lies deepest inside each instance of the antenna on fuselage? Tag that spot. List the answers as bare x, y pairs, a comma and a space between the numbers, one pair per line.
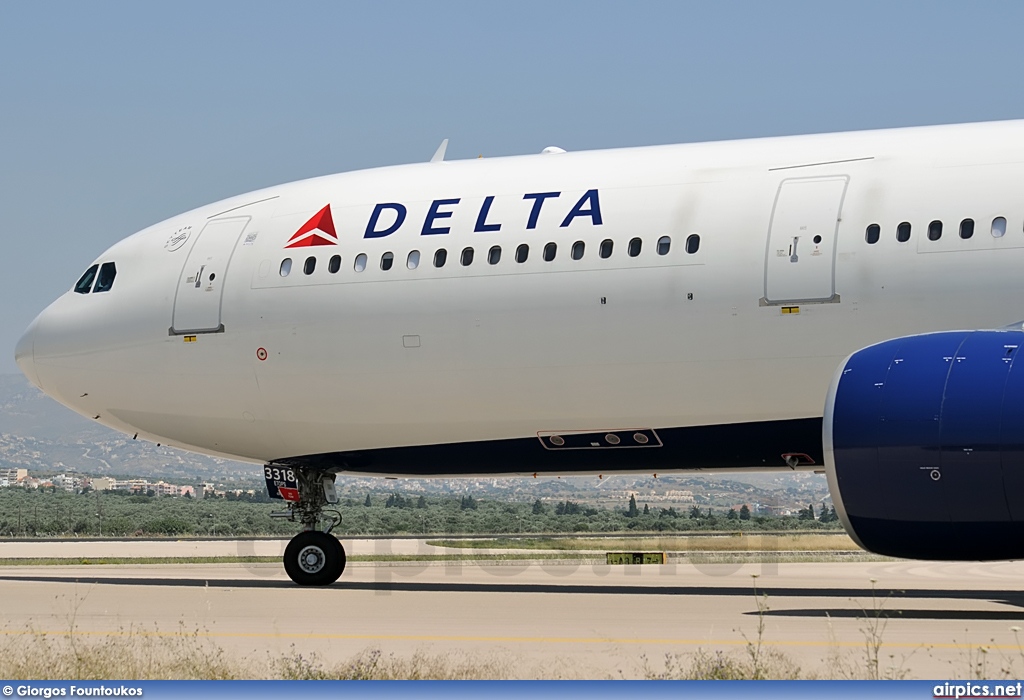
439, 153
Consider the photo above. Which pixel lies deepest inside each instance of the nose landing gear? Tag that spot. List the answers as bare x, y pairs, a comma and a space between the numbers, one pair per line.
314, 557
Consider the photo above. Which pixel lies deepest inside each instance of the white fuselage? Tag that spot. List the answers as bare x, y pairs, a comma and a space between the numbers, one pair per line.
750, 327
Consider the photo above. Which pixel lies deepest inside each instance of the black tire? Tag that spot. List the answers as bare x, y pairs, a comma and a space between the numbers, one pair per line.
314, 558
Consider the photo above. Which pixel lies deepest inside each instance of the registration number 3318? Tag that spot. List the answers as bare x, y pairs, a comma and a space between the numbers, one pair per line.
281, 483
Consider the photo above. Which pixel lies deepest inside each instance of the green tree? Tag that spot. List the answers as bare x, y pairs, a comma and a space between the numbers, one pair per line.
745, 512
647, 509
367, 503
696, 513
568, 508
421, 502
732, 514
538, 507
633, 510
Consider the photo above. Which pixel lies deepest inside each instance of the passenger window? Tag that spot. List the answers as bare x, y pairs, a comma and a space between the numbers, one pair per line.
934, 230
998, 227
84, 284
494, 255
577, 250
634, 247
549, 252
309, 266
440, 257
467, 257
903, 232
413, 260
522, 253
286, 267
334, 265
606, 248
664, 244
360, 263
387, 260
873, 233
692, 243
105, 280
966, 228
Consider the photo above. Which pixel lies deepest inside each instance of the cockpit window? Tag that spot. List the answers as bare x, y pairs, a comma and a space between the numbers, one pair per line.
84, 284
106, 277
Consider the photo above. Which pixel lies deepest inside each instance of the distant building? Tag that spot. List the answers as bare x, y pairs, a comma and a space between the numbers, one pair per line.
162, 488
12, 477
67, 483
137, 486
103, 483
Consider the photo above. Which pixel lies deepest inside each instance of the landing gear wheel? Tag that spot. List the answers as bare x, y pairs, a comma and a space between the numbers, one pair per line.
314, 558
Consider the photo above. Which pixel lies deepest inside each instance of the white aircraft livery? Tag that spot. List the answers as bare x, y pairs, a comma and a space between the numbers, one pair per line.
840, 302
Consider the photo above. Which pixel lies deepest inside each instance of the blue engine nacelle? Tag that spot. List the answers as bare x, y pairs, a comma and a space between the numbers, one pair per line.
924, 446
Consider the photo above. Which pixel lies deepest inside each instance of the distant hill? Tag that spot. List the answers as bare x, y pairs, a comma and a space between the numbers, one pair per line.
39, 434
24, 410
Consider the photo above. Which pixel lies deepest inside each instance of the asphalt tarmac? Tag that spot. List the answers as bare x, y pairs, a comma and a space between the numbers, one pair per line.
540, 619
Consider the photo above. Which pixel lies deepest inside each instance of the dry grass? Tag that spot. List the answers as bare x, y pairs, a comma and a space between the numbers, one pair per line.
703, 665
373, 664
132, 655
149, 655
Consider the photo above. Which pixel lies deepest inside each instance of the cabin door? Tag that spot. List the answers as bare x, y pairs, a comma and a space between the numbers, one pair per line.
800, 257
201, 284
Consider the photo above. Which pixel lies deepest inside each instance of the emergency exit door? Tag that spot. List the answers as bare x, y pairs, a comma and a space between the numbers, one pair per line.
197, 301
800, 257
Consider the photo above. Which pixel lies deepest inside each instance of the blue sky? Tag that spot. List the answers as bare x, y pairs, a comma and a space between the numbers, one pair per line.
114, 116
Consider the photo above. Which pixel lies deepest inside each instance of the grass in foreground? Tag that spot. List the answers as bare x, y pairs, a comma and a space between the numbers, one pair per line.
34, 655
134, 654
140, 654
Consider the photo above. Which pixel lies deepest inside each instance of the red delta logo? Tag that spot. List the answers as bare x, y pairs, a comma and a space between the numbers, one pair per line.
319, 230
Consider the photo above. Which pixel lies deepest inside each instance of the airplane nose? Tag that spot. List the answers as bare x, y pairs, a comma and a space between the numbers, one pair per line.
24, 354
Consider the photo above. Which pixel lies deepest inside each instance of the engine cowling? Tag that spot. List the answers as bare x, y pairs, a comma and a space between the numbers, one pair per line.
924, 446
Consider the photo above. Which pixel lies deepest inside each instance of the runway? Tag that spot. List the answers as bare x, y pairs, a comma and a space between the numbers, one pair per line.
550, 619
